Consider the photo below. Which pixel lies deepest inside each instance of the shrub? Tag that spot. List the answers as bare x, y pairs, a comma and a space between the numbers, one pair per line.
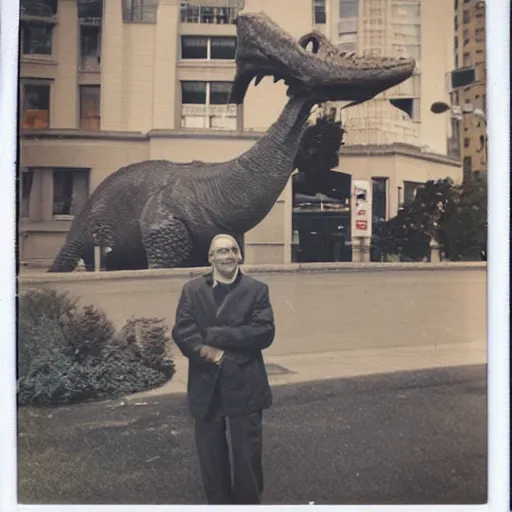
149, 340
68, 353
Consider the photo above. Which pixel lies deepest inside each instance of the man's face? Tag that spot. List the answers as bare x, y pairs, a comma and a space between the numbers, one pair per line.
224, 257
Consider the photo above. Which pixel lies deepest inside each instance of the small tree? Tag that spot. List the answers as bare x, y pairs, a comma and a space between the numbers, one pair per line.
454, 216
318, 154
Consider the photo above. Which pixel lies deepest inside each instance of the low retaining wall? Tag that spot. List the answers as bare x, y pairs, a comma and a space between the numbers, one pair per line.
318, 307
31, 277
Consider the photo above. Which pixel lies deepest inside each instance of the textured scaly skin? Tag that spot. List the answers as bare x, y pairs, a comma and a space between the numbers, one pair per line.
162, 214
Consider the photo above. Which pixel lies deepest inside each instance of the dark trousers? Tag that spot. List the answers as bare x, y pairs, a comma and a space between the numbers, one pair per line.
241, 482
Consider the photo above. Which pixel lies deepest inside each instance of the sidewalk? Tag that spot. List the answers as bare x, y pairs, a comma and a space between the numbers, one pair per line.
345, 363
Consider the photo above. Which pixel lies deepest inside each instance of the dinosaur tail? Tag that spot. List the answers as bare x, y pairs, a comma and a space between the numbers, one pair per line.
68, 257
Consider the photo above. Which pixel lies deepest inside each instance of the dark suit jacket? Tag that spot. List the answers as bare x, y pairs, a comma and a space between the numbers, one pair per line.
242, 326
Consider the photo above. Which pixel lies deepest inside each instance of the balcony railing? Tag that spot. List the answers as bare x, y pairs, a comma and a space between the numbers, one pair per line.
213, 117
193, 13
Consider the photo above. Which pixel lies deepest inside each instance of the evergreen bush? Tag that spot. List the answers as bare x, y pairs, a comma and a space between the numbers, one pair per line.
68, 353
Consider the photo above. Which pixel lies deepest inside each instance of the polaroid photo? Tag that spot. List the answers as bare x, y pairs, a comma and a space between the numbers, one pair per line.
256, 254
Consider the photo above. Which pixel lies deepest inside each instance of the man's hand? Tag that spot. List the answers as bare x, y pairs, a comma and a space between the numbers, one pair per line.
211, 354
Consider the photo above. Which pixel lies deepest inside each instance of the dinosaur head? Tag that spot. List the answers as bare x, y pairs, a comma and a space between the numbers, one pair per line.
323, 74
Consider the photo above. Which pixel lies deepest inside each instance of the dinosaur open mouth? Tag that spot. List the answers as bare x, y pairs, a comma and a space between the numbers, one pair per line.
326, 73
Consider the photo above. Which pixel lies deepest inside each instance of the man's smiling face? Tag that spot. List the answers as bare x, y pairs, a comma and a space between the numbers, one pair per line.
225, 256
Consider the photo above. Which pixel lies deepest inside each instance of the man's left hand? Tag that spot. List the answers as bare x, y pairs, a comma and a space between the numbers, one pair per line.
211, 354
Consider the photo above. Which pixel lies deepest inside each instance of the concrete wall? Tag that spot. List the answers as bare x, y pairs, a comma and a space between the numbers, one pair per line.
318, 311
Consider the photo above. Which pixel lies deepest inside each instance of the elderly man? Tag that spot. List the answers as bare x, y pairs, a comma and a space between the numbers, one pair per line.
224, 320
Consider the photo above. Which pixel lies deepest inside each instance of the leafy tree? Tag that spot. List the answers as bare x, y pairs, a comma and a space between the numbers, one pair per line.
455, 216
463, 231
317, 155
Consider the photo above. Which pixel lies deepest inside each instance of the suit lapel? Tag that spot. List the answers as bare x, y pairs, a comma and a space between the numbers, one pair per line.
208, 301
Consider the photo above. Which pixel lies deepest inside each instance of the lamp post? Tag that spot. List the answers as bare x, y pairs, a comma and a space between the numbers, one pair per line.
457, 112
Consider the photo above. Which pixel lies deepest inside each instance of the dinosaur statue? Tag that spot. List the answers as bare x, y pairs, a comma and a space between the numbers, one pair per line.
161, 214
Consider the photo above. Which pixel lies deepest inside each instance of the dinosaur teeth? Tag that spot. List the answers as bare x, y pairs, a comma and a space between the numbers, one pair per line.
259, 78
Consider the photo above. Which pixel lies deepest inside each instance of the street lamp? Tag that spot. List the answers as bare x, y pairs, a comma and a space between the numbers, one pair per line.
457, 112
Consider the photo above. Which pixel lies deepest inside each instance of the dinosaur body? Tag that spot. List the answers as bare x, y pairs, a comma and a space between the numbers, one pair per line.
161, 214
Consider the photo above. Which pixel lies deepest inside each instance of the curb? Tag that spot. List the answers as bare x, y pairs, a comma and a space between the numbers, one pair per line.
290, 268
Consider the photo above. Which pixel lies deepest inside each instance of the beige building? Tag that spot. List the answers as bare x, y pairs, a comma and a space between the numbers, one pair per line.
107, 84
470, 98
399, 28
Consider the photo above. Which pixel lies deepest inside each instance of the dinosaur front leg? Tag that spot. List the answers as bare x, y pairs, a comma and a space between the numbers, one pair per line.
165, 238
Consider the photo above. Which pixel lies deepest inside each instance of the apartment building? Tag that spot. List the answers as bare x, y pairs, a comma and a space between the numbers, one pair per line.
468, 84
104, 84
398, 123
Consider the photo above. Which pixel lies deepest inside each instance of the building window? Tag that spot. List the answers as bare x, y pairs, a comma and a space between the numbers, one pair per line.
70, 191
465, 16
466, 60
467, 164
480, 35
26, 179
89, 11
36, 106
379, 200
194, 13
465, 36
140, 11
90, 47
456, 42
456, 23
208, 48
205, 105
90, 101
319, 10
455, 5
37, 38
43, 8
410, 188
466, 142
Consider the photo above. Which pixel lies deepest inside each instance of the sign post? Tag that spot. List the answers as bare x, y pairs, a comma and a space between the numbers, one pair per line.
361, 220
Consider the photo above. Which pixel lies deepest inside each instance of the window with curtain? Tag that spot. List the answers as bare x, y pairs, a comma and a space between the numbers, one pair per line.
36, 106
90, 103
205, 105
70, 191
208, 48
219, 93
222, 48
194, 47
193, 93
140, 11
37, 38
90, 47
319, 12
43, 8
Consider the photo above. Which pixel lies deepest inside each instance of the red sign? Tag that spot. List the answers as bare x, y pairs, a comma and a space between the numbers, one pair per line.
362, 224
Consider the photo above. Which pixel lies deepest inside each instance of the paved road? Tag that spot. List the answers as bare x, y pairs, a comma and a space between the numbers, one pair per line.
325, 312
417, 438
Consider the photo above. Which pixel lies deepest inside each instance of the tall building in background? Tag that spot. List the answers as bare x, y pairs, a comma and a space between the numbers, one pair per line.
468, 84
107, 83
408, 28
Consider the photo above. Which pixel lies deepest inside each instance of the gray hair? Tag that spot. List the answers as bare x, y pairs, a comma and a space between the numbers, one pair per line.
223, 235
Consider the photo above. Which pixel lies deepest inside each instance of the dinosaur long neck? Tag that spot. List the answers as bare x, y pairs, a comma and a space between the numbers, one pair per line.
260, 174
